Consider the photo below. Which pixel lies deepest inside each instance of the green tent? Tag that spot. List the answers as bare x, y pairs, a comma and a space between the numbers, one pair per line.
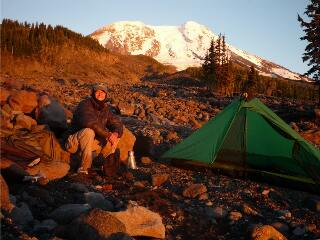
248, 136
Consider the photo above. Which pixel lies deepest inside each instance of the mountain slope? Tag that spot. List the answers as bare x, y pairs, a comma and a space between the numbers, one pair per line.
39, 51
182, 46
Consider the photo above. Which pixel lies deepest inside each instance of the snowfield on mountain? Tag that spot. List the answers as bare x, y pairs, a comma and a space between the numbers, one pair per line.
182, 46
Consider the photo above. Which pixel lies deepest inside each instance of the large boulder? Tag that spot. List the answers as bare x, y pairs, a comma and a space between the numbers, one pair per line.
266, 232
50, 170
23, 101
97, 200
135, 221
4, 94
6, 115
79, 187
140, 221
126, 144
66, 213
97, 224
11, 170
46, 225
5, 202
21, 215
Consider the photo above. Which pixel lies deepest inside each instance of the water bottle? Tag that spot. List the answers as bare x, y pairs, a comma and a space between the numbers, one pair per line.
131, 160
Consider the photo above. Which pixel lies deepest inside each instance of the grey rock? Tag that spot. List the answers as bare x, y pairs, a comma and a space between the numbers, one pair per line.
293, 224
275, 196
30, 200
97, 200
281, 227
41, 193
66, 213
299, 231
312, 203
284, 214
13, 199
47, 225
79, 187
217, 212
22, 215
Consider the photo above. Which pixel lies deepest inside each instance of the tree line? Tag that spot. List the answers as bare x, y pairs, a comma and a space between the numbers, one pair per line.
222, 76
24, 39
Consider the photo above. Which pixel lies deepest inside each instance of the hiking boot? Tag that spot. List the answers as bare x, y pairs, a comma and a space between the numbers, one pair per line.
82, 171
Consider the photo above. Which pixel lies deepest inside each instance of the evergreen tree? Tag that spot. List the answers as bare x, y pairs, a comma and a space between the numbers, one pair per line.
312, 35
251, 83
209, 67
24, 39
217, 67
252, 75
227, 75
225, 57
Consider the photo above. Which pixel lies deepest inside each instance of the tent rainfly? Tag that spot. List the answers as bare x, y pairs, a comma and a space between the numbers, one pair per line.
247, 135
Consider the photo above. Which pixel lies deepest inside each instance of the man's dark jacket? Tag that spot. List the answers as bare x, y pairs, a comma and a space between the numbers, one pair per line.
97, 116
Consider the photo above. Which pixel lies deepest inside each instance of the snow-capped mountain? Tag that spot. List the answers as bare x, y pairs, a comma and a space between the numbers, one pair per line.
182, 46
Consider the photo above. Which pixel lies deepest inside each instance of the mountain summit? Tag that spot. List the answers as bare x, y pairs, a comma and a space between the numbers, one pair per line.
182, 46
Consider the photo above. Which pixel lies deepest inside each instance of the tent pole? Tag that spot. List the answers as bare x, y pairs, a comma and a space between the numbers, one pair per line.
244, 153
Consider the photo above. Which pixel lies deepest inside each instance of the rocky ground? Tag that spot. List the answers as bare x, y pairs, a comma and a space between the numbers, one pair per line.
193, 203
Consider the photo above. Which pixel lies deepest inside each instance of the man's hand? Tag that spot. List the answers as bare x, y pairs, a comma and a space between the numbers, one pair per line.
113, 139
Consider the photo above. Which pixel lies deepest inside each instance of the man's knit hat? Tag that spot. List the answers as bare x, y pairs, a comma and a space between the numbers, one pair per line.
99, 86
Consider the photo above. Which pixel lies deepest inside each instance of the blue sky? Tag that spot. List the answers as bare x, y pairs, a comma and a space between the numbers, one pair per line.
267, 28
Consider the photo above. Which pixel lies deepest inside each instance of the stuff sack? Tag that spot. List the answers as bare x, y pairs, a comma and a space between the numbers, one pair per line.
51, 113
111, 164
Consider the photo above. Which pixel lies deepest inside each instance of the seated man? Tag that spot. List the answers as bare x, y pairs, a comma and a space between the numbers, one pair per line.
94, 124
